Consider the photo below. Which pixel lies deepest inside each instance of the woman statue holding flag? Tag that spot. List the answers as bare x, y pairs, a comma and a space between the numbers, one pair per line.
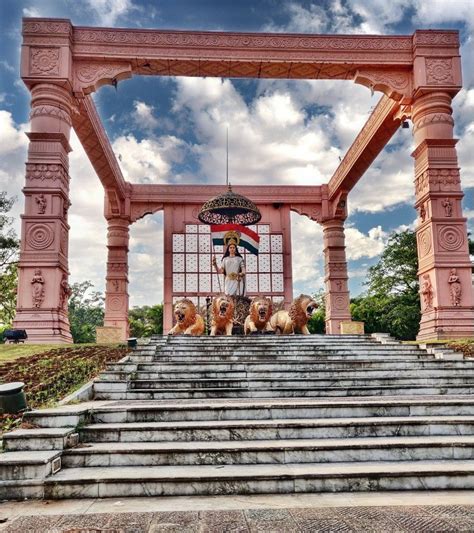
232, 266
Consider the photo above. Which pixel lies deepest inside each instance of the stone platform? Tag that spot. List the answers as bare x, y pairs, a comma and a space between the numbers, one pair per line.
254, 415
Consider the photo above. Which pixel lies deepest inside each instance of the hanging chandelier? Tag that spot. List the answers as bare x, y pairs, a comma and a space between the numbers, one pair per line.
229, 208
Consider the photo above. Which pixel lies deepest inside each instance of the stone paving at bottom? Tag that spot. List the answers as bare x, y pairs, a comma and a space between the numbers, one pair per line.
413, 519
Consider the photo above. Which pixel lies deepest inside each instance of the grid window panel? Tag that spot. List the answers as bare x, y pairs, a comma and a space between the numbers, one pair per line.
178, 242
219, 249
191, 263
277, 243
205, 283
178, 282
204, 244
264, 244
178, 262
263, 228
264, 263
191, 243
215, 283
204, 263
277, 282
277, 262
194, 299
253, 227
251, 263
191, 282
191, 228
264, 283
204, 228
251, 280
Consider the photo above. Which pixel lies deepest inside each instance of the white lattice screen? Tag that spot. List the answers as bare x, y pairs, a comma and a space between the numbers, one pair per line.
194, 277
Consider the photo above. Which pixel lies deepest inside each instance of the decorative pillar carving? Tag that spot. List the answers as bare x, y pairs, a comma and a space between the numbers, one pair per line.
42, 304
116, 291
337, 293
443, 257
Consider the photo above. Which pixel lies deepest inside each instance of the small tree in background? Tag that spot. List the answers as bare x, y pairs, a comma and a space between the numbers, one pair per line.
9, 246
86, 311
145, 321
317, 324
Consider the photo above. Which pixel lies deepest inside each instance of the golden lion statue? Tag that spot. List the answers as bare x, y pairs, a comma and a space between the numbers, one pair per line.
188, 322
295, 319
259, 317
222, 315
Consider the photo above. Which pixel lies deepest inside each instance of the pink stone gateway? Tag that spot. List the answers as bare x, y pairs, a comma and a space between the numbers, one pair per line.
62, 64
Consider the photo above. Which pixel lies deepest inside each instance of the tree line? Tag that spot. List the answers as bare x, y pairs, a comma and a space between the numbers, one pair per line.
390, 303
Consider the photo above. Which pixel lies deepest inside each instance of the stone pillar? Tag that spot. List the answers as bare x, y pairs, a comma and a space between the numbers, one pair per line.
116, 291
444, 272
337, 293
43, 289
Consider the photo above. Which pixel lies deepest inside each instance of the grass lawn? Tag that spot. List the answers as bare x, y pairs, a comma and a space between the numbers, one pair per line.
9, 352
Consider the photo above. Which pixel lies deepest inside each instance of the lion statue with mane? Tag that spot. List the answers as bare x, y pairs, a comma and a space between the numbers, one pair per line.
222, 315
259, 318
295, 319
188, 321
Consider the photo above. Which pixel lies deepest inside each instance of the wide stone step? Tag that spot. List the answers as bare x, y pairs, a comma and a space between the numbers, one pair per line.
103, 392
39, 439
28, 465
280, 350
263, 357
269, 409
293, 373
99, 482
298, 428
269, 380
270, 451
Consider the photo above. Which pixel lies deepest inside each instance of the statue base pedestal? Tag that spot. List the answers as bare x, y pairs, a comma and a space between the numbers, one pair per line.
44, 326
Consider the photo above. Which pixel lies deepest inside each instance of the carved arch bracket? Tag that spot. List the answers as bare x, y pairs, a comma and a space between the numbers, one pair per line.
312, 211
396, 84
139, 210
90, 75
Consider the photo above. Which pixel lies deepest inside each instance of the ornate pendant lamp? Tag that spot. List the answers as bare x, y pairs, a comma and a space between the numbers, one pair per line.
230, 207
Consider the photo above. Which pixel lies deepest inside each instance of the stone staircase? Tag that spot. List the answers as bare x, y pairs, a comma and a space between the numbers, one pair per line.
258, 414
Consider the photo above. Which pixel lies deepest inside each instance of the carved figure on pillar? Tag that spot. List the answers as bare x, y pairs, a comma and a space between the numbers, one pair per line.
448, 207
427, 292
422, 212
37, 288
42, 203
64, 293
455, 288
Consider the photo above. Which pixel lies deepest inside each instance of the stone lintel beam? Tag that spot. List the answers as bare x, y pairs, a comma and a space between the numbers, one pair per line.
377, 131
94, 139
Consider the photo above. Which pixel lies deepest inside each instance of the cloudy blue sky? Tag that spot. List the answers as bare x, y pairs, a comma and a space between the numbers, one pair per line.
172, 130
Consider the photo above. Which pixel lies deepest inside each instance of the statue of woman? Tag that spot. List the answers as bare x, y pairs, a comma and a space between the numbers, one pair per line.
233, 268
455, 287
37, 283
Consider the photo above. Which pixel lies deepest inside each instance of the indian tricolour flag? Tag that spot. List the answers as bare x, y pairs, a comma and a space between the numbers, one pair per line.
248, 239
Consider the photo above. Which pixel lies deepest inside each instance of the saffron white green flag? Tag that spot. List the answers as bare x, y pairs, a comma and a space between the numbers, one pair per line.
241, 235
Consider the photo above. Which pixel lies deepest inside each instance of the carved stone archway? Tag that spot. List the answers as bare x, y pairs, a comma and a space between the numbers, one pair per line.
418, 75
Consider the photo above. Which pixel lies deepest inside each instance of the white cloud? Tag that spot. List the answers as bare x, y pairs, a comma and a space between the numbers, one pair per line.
32, 12
149, 160
143, 116
6, 65
108, 12
359, 245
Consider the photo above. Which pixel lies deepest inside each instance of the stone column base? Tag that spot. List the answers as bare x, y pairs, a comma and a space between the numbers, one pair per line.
350, 327
447, 323
44, 326
109, 334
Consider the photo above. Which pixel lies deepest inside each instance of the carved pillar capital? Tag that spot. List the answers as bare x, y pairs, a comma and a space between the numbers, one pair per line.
432, 117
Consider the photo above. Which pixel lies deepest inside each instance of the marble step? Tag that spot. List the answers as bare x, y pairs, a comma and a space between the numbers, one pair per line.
100, 482
263, 357
40, 439
269, 380
28, 465
279, 349
103, 392
270, 451
298, 428
251, 409
290, 373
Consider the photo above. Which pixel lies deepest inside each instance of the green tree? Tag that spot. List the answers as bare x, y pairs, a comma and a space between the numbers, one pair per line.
9, 246
392, 301
317, 322
145, 321
86, 311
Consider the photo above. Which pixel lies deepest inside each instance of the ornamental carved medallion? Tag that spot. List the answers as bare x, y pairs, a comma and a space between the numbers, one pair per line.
439, 71
340, 302
115, 303
44, 61
450, 238
424, 242
40, 236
